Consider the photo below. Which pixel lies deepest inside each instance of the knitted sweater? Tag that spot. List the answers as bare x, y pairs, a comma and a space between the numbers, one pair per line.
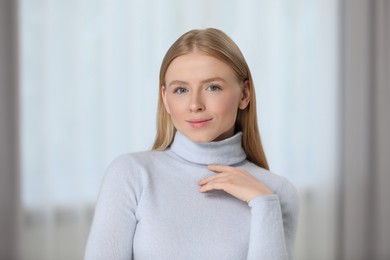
150, 207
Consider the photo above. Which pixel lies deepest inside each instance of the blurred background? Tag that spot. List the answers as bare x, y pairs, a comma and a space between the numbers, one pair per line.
79, 86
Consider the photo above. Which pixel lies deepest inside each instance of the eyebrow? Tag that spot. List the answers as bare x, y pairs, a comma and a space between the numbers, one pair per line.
180, 82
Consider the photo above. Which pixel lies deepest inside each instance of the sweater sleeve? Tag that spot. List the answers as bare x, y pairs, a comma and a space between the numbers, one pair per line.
273, 225
114, 222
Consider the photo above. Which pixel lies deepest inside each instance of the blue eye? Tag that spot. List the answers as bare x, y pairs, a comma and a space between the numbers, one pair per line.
214, 88
181, 90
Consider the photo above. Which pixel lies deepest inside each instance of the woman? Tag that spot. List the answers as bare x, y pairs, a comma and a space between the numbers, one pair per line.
204, 191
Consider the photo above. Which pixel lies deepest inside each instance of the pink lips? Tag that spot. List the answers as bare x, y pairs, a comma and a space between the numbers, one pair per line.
198, 123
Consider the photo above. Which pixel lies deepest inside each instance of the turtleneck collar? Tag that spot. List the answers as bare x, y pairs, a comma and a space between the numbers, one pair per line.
228, 151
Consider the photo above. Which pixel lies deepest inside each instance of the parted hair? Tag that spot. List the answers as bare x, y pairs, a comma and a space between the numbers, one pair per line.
217, 44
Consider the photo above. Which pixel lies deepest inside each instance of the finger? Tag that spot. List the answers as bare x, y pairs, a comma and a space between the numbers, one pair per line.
221, 184
227, 169
212, 178
220, 168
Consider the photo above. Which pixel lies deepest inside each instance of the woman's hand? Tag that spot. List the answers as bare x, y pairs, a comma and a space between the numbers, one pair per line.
235, 181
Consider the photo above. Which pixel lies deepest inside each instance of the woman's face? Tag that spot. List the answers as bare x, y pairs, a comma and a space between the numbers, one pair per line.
202, 96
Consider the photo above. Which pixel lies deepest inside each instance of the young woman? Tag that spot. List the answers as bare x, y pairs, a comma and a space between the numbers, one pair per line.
204, 191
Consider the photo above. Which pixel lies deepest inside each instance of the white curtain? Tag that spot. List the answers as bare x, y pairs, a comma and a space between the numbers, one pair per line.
89, 85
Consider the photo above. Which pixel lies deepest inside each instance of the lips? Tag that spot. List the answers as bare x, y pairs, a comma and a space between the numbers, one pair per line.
199, 122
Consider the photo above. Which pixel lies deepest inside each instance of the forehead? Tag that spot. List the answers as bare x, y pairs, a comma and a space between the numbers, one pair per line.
198, 65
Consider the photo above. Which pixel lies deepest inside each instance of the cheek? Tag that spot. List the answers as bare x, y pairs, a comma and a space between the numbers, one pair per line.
175, 106
228, 105
232, 102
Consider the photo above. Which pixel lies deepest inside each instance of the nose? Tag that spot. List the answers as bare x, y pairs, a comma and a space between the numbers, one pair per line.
196, 103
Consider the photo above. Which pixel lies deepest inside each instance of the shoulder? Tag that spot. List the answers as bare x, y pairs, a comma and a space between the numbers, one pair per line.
128, 174
131, 166
280, 185
133, 161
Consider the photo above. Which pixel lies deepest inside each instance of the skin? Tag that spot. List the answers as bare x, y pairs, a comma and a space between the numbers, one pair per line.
202, 95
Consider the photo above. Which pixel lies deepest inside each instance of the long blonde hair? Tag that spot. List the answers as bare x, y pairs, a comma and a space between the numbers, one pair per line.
217, 44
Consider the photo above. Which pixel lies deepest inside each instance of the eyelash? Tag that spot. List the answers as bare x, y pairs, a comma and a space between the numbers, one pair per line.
179, 89
182, 90
214, 86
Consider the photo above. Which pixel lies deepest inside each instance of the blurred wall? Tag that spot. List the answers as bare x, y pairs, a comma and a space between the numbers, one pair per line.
364, 211
9, 192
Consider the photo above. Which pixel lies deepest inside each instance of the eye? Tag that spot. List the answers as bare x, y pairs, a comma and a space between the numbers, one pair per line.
180, 90
214, 88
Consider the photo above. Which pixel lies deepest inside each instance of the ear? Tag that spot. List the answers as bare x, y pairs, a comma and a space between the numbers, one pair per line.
164, 98
246, 95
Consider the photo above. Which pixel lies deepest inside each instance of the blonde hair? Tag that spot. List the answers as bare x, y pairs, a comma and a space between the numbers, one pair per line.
217, 44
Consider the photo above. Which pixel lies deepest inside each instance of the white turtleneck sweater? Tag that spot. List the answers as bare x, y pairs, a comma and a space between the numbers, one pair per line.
150, 207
